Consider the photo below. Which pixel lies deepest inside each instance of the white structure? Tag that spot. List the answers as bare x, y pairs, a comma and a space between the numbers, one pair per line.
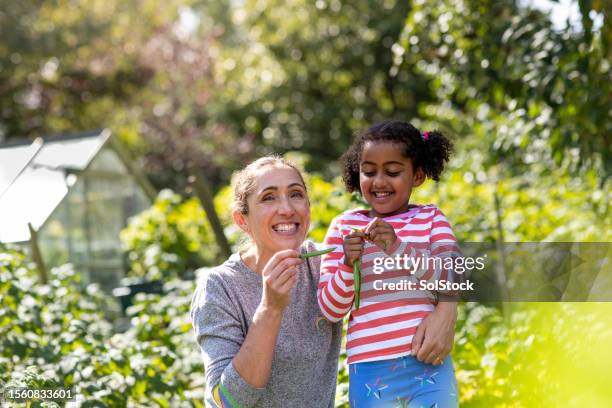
77, 192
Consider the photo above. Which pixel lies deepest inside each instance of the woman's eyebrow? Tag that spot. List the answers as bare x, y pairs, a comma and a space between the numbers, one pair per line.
275, 188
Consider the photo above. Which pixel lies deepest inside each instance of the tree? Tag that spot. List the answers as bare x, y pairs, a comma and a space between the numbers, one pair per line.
71, 68
534, 97
305, 76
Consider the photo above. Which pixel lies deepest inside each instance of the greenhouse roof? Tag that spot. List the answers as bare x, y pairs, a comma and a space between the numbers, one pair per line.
36, 176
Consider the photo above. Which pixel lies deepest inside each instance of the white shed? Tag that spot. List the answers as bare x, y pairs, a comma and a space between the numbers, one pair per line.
76, 192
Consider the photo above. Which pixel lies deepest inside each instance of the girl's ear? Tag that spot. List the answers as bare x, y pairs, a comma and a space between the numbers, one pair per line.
240, 221
419, 177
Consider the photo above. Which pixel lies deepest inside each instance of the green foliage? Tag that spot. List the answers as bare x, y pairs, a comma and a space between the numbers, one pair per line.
306, 75
278, 76
33, 379
544, 354
169, 239
528, 105
327, 200
528, 94
33, 325
556, 209
57, 334
72, 66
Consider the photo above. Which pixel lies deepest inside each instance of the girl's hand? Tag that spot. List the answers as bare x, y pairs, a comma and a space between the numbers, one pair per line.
279, 276
353, 246
435, 336
381, 233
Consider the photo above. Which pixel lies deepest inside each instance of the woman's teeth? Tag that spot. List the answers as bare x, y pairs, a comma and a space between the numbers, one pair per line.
285, 227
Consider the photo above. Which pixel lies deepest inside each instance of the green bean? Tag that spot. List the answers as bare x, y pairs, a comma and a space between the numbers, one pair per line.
357, 278
316, 253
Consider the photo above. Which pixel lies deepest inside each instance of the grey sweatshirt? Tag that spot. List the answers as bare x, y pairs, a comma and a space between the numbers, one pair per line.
305, 362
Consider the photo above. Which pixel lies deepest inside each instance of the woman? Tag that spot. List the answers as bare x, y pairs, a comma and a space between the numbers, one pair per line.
256, 316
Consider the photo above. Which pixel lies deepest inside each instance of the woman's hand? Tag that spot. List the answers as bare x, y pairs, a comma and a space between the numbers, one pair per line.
435, 335
353, 246
253, 362
381, 233
279, 276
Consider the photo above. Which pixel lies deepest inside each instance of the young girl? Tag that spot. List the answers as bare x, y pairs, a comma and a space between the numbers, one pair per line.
398, 340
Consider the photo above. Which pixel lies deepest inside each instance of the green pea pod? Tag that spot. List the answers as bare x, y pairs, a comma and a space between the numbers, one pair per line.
315, 253
357, 282
357, 279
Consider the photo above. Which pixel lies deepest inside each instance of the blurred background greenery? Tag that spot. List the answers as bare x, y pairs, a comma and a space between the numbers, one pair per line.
211, 85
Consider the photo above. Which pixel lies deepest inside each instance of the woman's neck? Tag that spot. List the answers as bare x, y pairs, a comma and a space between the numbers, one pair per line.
255, 259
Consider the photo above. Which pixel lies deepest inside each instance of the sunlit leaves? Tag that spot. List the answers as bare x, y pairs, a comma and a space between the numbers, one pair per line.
546, 92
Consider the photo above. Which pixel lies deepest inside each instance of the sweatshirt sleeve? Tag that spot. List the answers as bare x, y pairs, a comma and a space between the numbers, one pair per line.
336, 291
220, 335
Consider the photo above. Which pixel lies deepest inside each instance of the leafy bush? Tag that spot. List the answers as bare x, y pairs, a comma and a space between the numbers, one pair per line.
46, 322
58, 332
559, 208
32, 378
542, 354
169, 239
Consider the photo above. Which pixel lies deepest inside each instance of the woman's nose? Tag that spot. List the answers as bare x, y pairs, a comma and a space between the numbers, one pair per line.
285, 206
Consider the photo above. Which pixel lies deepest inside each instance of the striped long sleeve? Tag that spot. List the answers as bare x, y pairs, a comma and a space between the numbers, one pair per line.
336, 292
435, 253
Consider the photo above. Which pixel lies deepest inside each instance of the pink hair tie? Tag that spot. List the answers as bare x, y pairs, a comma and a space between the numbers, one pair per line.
425, 136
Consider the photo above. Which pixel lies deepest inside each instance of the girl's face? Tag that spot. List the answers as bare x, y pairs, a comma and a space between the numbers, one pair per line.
279, 211
386, 178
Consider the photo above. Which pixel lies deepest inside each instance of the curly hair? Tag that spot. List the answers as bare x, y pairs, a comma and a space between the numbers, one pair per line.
431, 155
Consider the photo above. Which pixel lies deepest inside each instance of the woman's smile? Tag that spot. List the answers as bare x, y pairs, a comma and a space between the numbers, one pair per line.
286, 228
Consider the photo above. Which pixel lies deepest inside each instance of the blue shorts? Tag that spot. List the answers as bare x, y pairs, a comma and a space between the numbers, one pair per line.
402, 382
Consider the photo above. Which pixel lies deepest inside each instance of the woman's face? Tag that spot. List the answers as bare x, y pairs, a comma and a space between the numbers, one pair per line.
279, 211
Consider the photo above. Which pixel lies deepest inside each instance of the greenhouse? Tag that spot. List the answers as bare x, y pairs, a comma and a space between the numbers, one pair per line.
70, 196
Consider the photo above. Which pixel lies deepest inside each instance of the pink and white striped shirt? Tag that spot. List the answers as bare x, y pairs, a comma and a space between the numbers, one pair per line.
383, 326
